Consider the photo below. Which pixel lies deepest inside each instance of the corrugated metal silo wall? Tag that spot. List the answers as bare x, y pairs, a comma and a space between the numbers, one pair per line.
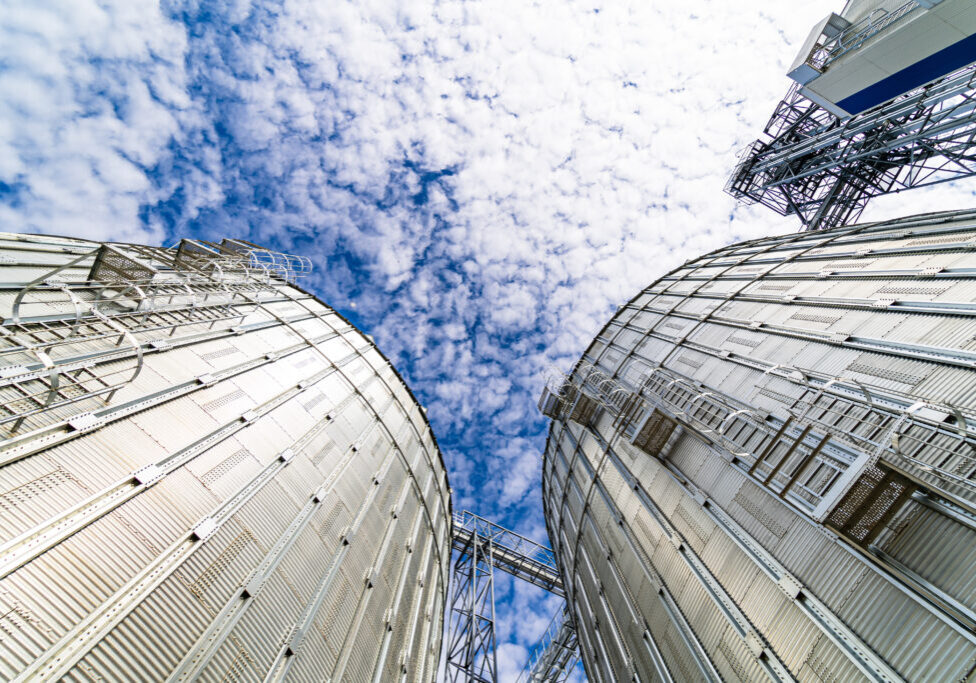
765, 464
213, 478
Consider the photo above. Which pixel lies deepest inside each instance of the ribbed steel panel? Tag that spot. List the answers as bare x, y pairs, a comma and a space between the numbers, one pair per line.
884, 614
949, 562
735, 661
266, 444
815, 505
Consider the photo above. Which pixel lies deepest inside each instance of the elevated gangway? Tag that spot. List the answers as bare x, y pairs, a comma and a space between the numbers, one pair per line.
480, 547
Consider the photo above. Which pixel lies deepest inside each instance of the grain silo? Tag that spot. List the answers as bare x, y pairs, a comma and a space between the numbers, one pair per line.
206, 473
765, 465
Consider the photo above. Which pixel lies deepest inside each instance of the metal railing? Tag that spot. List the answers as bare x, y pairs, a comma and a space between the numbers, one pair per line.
73, 337
556, 654
855, 35
512, 553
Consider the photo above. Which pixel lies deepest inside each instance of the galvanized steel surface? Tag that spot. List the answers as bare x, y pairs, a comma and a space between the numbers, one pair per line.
765, 464
206, 473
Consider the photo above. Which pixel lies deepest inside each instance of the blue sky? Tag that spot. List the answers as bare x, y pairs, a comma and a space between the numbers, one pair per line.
480, 183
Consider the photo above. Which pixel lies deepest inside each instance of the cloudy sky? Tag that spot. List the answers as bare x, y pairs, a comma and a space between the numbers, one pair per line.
479, 182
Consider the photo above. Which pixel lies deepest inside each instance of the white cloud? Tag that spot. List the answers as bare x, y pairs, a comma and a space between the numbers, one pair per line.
90, 95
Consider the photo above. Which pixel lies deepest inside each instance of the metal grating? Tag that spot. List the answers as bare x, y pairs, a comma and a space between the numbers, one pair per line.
873, 500
655, 431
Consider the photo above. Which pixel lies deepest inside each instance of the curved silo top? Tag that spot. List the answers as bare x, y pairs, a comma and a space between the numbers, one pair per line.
212, 472
763, 448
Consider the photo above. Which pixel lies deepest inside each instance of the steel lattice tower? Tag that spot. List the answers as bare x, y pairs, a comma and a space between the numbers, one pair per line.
480, 547
471, 643
823, 165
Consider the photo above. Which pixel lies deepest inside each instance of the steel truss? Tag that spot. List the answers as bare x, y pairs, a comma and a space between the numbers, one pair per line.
824, 169
480, 547
556, 654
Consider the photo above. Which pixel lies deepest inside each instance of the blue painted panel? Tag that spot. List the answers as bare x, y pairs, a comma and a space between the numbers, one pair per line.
932, 67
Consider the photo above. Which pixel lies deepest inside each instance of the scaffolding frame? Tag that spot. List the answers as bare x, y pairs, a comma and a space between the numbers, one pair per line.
479, 548
824, 169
